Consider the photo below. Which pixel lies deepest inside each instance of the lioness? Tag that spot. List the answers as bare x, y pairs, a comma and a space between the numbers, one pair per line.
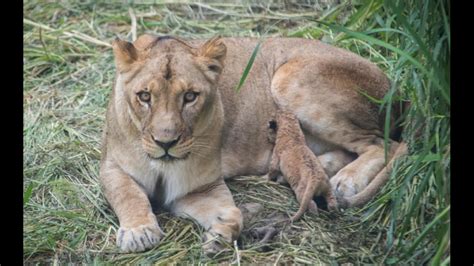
298, 165
175, 126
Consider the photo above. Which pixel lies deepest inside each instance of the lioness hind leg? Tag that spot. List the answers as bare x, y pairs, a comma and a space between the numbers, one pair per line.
333, 161
323, 95
214, 209
357, 175
367, 144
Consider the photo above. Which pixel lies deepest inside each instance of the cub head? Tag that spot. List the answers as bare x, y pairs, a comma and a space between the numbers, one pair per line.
285, 124
168, 90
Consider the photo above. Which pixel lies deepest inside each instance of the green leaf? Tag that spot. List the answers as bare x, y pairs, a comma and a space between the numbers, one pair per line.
370, 98
431, 157
443, 245
427, 228
27, 193
391, 260
248, 67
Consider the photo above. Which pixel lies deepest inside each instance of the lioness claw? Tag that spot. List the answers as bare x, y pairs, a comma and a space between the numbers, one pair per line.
139, 238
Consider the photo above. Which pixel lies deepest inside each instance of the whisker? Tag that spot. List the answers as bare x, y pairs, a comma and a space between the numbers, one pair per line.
204, 143
207, 135
199, 155
203, 148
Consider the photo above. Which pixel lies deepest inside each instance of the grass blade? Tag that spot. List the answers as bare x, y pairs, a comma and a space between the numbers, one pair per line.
442, 246
27, 194
426, 230
248, 67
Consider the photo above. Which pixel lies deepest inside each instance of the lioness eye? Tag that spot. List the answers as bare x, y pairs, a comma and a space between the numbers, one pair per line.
190, 96
144, 96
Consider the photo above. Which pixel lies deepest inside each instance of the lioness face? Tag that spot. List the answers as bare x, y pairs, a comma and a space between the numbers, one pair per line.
170, 92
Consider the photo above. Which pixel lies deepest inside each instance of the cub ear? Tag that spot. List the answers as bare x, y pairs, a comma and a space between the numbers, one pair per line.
211, 56
125, 54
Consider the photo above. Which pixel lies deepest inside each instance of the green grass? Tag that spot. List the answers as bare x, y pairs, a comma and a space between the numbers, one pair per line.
68, 75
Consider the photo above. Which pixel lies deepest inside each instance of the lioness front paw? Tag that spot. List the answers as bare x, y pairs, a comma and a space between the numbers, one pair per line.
138, 238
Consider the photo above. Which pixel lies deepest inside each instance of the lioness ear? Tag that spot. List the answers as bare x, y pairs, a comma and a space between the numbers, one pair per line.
125, 54
212, 55
213, 49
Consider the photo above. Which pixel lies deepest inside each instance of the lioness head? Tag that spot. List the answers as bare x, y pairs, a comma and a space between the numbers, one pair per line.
169, 89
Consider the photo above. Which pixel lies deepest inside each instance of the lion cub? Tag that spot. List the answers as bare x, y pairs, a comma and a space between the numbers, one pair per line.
298, 164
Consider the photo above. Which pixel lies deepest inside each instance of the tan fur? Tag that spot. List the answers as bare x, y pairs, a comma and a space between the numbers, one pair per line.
130, 170
223, 133
298, 164
377, 183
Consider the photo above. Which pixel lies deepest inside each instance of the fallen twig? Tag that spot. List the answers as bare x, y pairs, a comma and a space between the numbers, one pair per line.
74, 34
133, 29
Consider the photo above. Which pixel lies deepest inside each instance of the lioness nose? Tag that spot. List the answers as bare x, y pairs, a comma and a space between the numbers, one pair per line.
166, 145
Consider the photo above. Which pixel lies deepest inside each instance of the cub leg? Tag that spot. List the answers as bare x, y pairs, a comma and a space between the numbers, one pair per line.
330, 199
274, 173
214, 209
139, 229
